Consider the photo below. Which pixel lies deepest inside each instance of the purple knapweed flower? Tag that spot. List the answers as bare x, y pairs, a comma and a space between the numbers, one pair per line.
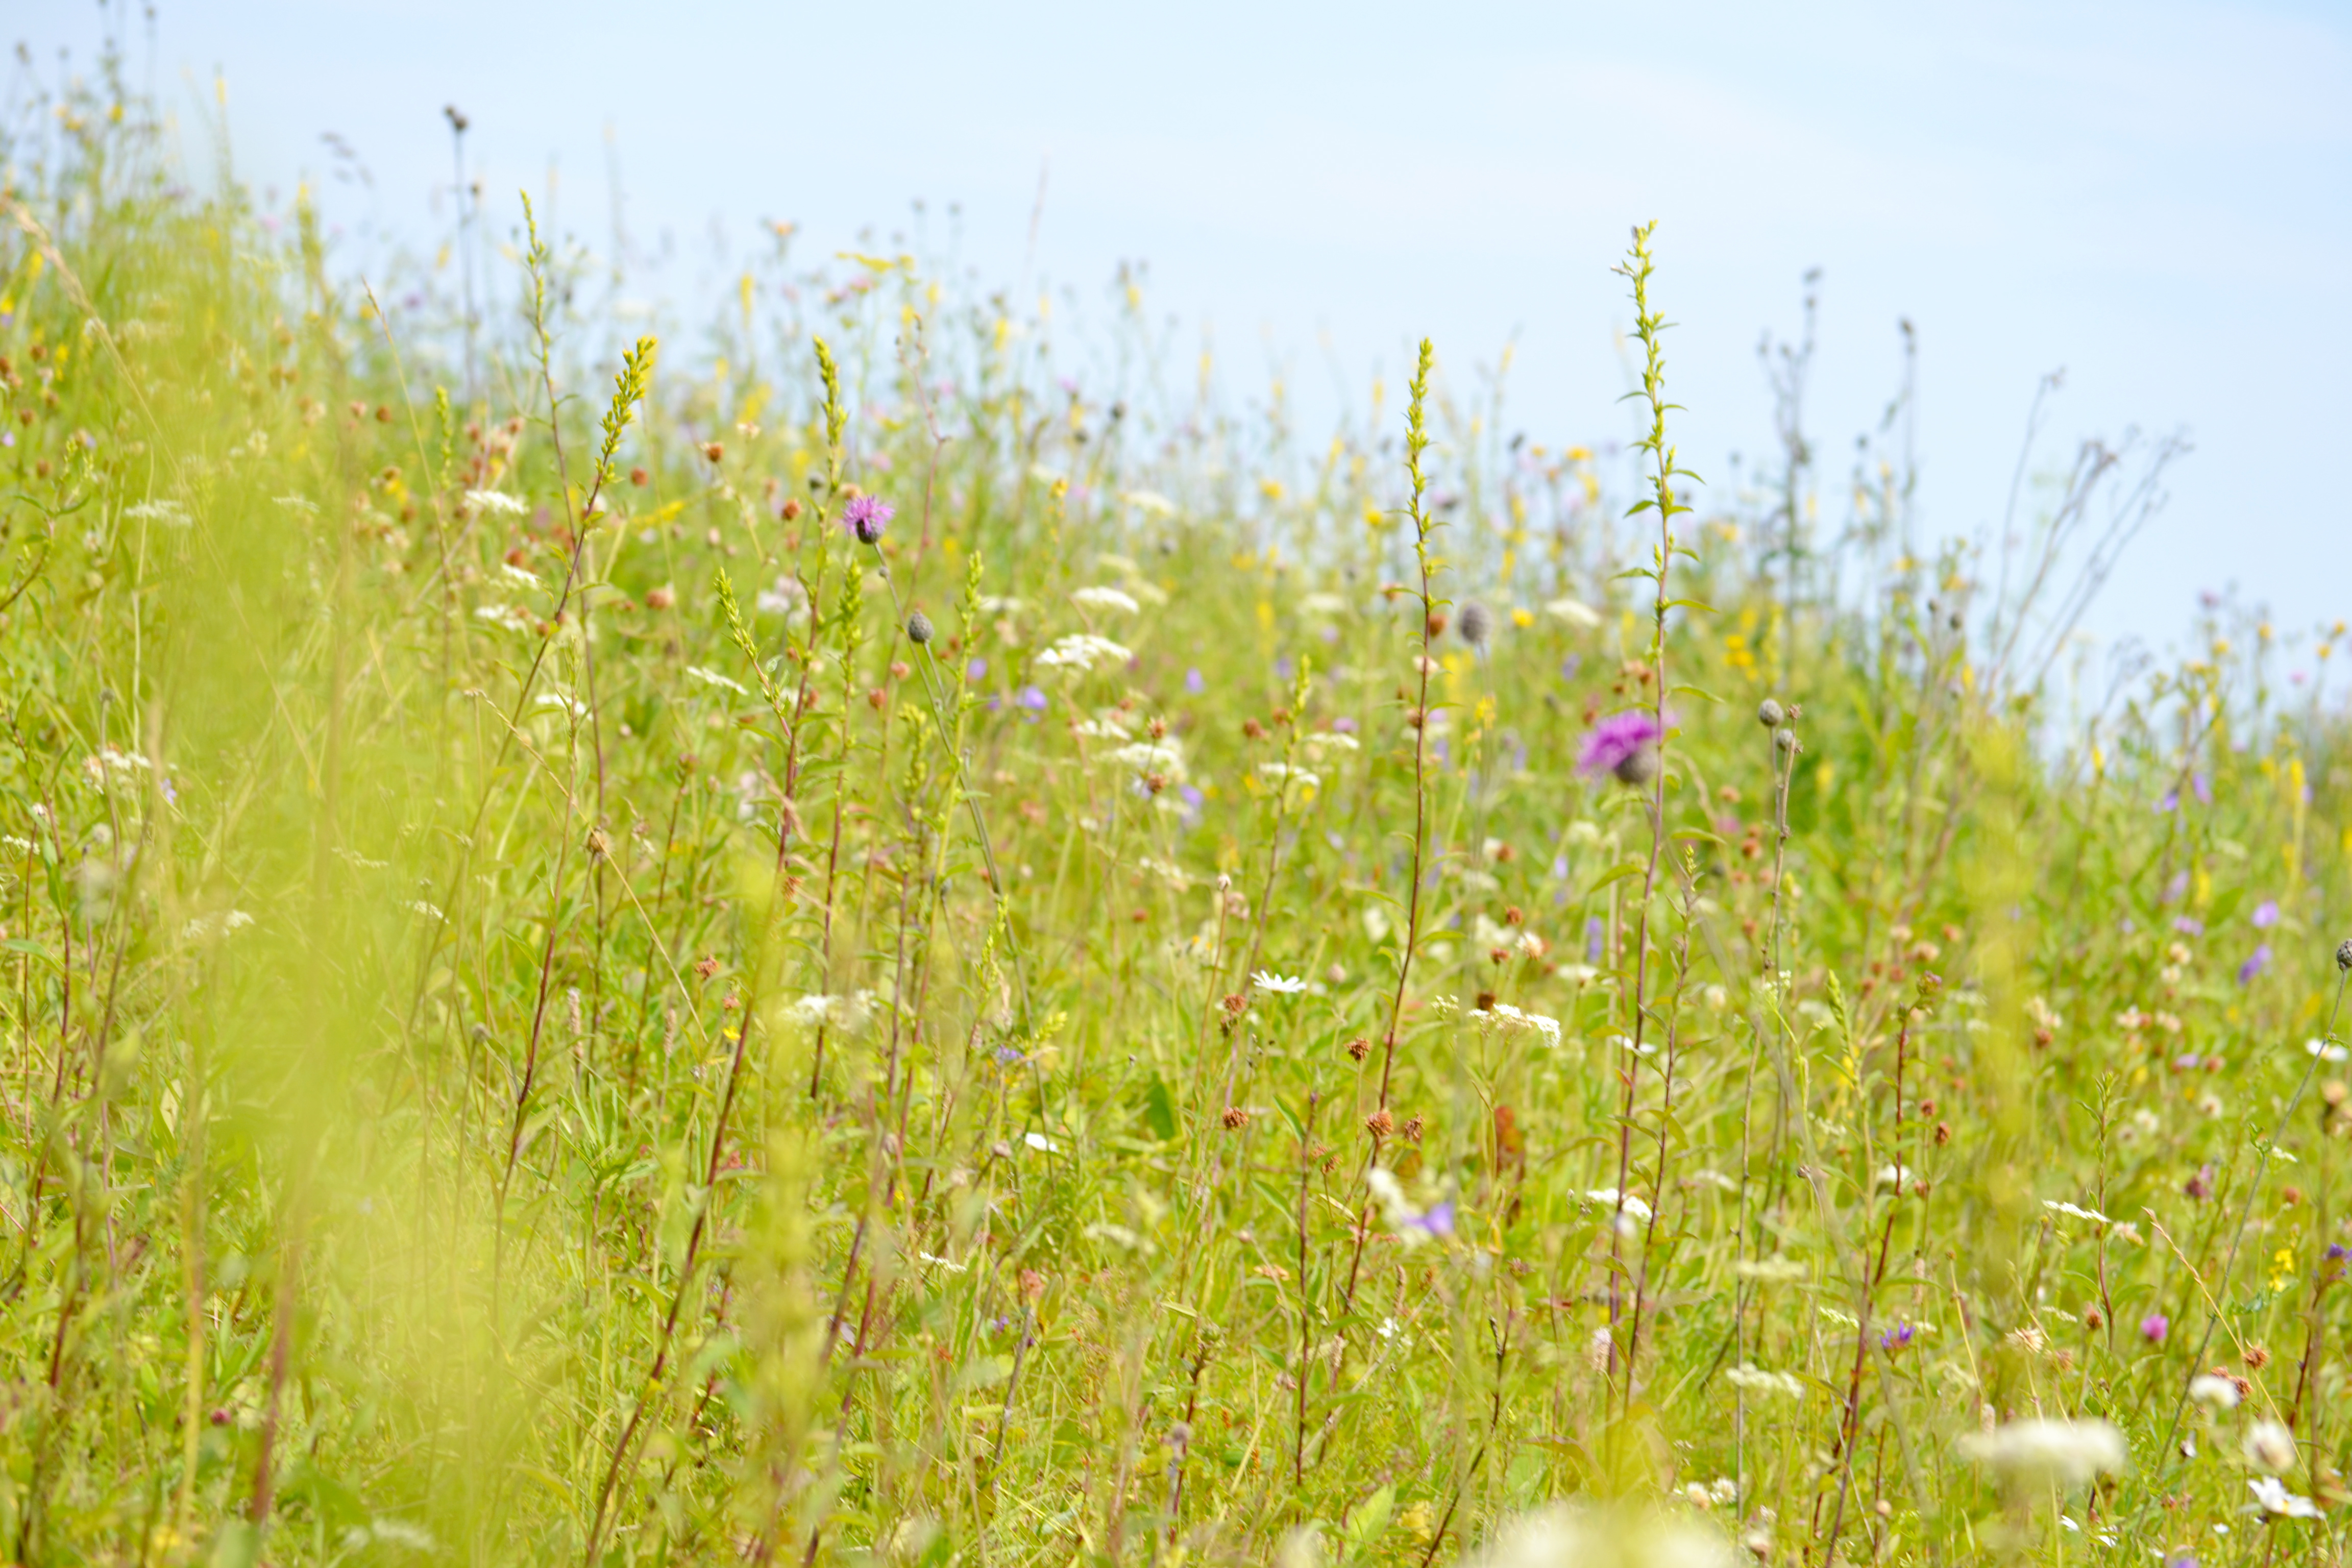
1438, 1221
2169, 801
2256, 962
1624, 744
866, 517
975, 669
2266, 914
2203, 786
2200, 1187
2154, 1327
2189, 925
1031, 697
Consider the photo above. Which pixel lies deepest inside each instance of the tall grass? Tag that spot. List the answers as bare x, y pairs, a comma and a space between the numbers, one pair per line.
580, 991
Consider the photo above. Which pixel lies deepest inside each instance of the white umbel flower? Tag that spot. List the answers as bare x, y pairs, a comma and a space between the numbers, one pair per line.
1105, 599
495, 503
1567, 1535
2066, 1452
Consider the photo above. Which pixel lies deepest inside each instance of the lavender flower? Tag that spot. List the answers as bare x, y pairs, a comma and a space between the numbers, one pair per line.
1625, 744
864, 517
2266, 914
2256, 962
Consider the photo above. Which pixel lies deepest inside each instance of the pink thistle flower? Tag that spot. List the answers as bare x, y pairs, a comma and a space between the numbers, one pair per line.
1625, 744
864, 517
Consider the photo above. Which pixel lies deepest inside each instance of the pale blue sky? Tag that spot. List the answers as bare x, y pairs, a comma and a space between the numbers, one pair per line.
2156, 196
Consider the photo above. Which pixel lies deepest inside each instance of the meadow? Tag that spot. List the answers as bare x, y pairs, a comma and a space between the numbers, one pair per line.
873, 933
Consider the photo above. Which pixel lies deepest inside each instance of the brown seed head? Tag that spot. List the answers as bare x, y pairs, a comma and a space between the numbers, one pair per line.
1235, 1119
1380, 1124
1413, 1129
1359, 1049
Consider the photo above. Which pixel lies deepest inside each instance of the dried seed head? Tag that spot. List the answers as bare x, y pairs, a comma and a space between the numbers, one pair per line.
1640, 765
1235, 1119
1413, 1129
2343, 954
1359, 1049
1476, 624
1785, 739
1770, 714
918, 628
1380, 1124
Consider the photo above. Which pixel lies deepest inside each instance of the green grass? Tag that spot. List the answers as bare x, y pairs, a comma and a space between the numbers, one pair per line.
540, 1026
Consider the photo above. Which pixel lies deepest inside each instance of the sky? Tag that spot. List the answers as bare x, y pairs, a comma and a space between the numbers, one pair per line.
2154, 196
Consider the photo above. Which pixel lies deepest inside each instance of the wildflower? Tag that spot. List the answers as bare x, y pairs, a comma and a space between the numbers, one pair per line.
1105, 599
1566, 1533
2200, 1187
2072, 1211
1413, 1225
2154, 1327
2274, 1497
1625, 744
1756, 1380
1283, 773
2214, 1389
1896, 1338
2325, 1052
697, 673
1281, 985
1083, 651
1477, 624
2067, 1453
918, 628
2272, 1446
203, 928
866, 517
494, 503
2266, 914
2256, 962
1625, 1204
1575, 611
